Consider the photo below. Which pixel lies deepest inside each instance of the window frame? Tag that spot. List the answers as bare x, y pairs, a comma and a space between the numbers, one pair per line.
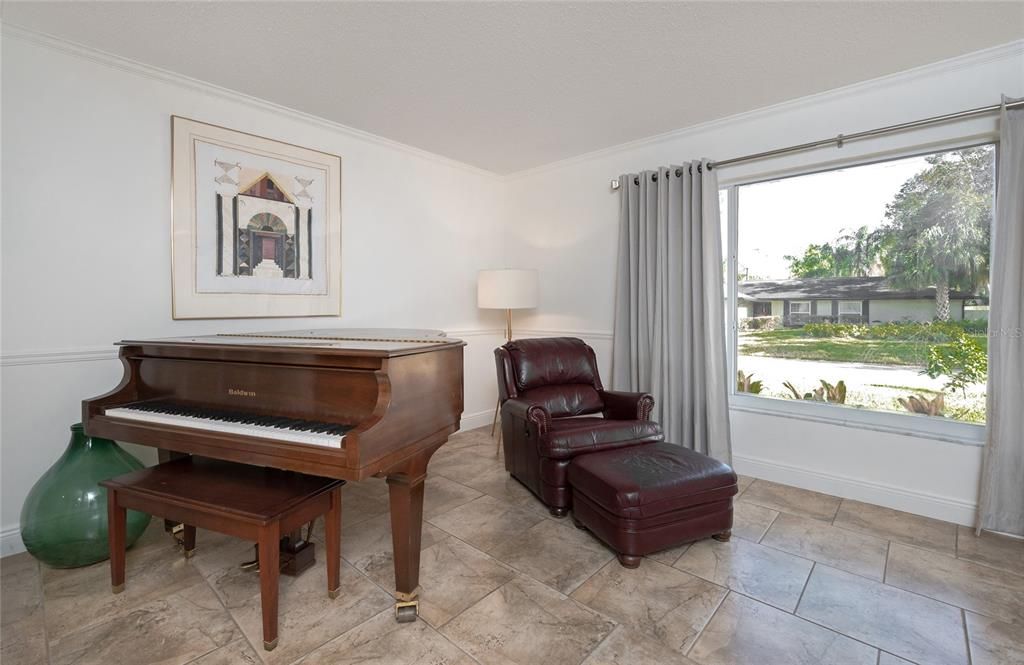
800, 302
906, 424
858, 303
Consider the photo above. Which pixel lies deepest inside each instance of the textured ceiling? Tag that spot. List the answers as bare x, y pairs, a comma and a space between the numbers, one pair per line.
508, 86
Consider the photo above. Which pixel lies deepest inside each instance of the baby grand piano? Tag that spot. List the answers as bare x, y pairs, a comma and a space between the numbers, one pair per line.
341, 403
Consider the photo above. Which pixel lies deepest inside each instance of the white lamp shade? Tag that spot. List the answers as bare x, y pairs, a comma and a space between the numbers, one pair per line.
507, 289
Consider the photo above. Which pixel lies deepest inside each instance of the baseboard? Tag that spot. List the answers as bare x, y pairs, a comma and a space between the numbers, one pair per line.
10, 541
475, 420
890, 496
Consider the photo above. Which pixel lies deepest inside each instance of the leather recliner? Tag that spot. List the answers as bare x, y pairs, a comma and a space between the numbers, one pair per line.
553, 408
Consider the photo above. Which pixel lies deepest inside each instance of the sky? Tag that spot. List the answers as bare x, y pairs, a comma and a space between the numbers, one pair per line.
781, 217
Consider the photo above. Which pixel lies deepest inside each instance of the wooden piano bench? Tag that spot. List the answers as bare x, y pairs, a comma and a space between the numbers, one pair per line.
251, 502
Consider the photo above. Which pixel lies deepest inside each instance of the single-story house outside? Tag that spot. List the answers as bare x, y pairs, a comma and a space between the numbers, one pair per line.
844, 300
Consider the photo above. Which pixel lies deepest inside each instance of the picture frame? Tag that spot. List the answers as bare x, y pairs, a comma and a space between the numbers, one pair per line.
255, 225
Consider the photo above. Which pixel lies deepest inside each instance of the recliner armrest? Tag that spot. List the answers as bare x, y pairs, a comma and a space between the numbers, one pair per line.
627, 406
528, 411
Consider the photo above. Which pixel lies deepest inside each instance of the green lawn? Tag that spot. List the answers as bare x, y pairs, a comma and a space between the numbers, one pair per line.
792, 343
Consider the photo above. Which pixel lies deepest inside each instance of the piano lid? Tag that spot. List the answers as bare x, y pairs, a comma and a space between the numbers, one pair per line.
374, 341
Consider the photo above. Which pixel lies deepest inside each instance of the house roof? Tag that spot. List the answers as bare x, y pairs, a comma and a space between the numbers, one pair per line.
842, 288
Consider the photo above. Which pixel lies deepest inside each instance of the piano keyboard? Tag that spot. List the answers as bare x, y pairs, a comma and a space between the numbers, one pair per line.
329, 435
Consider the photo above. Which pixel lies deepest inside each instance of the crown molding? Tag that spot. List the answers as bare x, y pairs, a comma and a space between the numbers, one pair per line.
1008, 51
1000, 52
144, 70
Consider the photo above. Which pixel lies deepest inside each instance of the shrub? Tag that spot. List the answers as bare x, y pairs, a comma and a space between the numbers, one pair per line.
745, 383
833, 394
974, 326
936, 331
825, 329
935, 406
962, 361
761, 323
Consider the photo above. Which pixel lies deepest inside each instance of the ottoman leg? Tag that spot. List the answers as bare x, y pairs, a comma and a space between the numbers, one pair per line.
629, 561
723, 537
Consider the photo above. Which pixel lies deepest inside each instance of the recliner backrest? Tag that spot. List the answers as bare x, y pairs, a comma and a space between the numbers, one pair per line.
559, 372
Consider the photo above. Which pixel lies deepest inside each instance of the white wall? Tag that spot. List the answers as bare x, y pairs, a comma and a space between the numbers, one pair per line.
562, 219
86, 260
912, 310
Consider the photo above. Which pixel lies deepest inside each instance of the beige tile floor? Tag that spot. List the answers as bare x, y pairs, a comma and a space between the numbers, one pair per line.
808, 579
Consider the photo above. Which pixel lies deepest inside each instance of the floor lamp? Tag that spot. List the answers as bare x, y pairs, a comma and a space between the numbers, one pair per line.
507, 290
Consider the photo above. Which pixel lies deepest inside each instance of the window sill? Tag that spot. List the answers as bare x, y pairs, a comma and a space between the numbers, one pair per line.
919, 426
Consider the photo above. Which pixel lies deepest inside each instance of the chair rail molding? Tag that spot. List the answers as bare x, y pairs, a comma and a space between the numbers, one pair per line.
52, 356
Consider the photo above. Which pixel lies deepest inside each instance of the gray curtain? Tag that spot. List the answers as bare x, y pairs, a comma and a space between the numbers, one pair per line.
1001, 504
669, 334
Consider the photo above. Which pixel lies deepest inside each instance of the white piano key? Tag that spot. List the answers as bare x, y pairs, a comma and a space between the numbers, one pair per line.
261, 431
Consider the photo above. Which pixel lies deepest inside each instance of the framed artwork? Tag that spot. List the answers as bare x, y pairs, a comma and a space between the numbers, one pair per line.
256, 225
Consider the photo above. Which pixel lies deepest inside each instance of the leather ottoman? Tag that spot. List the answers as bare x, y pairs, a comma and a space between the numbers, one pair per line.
643, 499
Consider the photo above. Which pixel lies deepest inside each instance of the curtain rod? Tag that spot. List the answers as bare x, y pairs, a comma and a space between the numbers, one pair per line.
841, 139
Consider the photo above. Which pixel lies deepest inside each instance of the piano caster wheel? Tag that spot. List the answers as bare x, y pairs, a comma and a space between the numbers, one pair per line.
116, 588
190, 553
271, 645
407, 612
333, 594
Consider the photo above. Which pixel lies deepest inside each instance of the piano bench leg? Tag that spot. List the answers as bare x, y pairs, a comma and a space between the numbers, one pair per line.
269, 553
117, 518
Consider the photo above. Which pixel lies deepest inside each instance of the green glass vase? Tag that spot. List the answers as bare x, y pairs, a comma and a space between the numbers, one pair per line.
64, 519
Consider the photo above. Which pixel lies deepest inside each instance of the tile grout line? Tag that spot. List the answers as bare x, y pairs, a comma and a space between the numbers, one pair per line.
939, 600
707, 623
813, 622
598, 646
233, 620
805, 558
770, 525
967, 635
885, 566
912, 662
226, 610
777, 509
361, 623
804, 589
910, 591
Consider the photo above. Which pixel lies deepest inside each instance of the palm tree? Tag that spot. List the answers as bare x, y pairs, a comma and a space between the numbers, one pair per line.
938, 226
861, 250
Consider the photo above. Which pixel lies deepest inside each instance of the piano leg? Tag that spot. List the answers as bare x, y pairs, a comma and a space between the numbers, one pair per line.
405, 488
164, 455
